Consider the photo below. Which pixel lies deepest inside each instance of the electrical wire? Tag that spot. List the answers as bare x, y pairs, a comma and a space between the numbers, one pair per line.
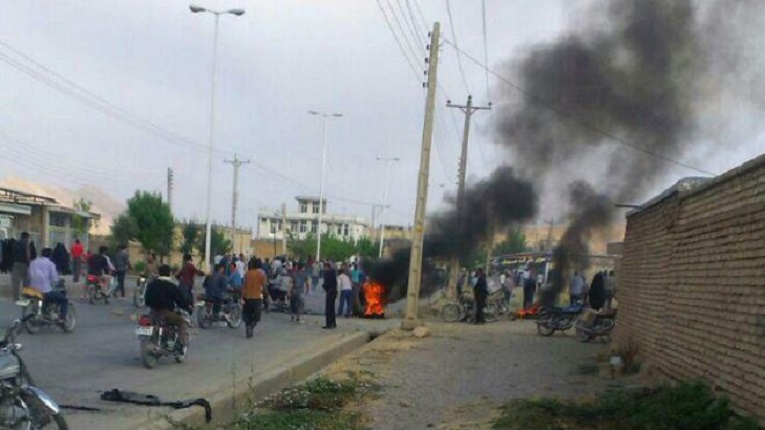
415, 53
549, 106
411, 25
454, 37
398, 42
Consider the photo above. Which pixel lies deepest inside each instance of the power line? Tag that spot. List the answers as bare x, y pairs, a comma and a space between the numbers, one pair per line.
454, 37
419, 12
412, 50
398, 42
573, 118
411, 25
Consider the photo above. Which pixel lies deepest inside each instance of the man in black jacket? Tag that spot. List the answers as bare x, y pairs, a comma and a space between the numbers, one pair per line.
22, 256
480, 292
330, 286
163, 297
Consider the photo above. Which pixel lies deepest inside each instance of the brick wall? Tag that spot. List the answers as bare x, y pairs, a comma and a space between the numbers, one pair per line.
692, 284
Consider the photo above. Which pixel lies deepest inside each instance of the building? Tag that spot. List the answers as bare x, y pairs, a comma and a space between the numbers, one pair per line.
391, 232
305, 222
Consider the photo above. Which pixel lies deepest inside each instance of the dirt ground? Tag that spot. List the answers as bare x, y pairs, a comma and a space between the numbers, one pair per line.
460, 375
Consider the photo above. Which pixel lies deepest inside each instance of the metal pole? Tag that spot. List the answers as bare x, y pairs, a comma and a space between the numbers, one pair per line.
384, 205
415, 261
284, 228
208, 226
321, 189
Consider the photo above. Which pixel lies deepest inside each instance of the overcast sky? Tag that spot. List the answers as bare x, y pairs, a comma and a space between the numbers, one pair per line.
152, 59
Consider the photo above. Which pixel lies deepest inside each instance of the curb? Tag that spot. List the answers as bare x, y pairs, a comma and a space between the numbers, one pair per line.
224, 403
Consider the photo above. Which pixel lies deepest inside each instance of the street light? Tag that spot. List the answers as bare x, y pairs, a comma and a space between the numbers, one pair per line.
325, 115
385, 201
217, 14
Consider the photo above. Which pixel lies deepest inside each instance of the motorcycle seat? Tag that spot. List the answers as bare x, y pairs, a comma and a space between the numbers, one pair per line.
31, 292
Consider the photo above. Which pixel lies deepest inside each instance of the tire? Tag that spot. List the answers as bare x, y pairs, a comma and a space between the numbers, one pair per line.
451, 312
138, 297
202, 319
234, 319
60, 422
490, 313
92, 294
180, 358
148, 359
30, 326
71, 319
543, 328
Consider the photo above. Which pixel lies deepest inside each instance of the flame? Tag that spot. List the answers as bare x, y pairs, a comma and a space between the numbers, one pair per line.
374, 294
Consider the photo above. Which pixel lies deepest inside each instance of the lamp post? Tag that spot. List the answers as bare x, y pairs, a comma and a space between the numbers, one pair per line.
216, 14
326, 116
385, 201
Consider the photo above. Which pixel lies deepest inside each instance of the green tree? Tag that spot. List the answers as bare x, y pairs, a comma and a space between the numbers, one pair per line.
189, 237
302, 248
219, 245
514, 243
81, 224
124, 229
147, 220
367, 248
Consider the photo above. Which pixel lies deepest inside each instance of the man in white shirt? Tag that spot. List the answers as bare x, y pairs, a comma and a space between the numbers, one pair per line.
346, 293
42, 276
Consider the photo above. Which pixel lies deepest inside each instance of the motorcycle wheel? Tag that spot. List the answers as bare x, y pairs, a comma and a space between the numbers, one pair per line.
490, 313
92, 294
71, 319
148, 358
138, 297
543, 328
202, 318
451, 312
234, 319
181, 357
31, 326
60, 422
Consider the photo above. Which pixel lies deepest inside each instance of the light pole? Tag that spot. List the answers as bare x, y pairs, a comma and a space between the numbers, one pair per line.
385, 201
217, 14
326, 116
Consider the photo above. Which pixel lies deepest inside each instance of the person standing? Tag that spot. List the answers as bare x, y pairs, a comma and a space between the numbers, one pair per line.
77, 253
330, 286
252, 295
356, 274
151, 265
235, 279
529, 287
22, 255
121, 266
481, 293
299, 284
346, 293
610, 289
576, 288
597, 291
187, 274
315, 275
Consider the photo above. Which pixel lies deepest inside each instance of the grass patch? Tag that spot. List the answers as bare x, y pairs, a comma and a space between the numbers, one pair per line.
687, 406
319, 404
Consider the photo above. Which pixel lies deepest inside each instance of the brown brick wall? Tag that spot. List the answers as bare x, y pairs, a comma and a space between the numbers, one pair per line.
692, 285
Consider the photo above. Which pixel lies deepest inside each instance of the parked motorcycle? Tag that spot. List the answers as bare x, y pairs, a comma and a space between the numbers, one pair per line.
230, 313
594, 324
22, 405
463, 310
160, 339
96, 292
38, 314
552, 319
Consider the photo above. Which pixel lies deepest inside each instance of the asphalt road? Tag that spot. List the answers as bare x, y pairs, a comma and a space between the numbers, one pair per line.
103, 353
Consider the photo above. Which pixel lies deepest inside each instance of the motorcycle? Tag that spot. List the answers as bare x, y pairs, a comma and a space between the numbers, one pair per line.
22, 405
37, 313
230, 312
593, 324
96, 291
160, 339
464, 310
139, 293
552, 319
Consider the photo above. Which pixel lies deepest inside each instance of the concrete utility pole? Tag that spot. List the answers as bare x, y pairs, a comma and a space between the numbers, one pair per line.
468, 109
385, 201
170, 188
237, 163
284, 228
415, 260
322, 204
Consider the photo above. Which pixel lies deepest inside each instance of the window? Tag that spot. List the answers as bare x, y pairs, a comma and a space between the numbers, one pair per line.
315, 208
57, 219
293, 226
303, 208
313, 227
339, 229
345, 228
303, 226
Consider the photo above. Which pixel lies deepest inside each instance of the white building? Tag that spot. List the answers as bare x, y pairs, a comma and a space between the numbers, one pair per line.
306, 220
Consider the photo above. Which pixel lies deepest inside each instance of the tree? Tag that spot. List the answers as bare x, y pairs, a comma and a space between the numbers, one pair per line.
189, 237
366, 248
514, 243
81, 224
219, 245
123, 230
147, 220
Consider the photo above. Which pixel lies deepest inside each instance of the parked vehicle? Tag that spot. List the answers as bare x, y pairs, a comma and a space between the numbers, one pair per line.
160, 339
139, 293
230, 313
463, 310
37, 314
594, 324
554, 319
22, 404
96, 292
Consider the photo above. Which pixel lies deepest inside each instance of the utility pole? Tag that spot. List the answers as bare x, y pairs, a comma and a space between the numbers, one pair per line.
550, 223
385, 201
236, 162
170, 188
284, 228
415, 260
468, 109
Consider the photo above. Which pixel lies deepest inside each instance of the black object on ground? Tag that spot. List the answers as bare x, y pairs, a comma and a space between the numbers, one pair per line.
116, 395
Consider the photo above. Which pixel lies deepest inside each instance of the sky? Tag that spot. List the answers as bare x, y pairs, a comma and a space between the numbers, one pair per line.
149, 64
